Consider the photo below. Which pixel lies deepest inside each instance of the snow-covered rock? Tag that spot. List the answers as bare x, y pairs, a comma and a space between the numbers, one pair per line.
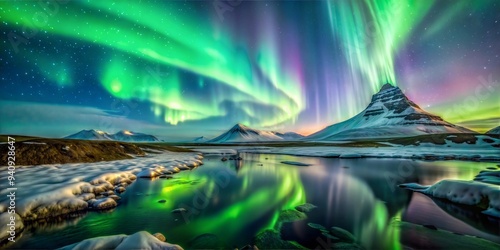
139, 240
473, 193
149, 173
389, 114
103, 203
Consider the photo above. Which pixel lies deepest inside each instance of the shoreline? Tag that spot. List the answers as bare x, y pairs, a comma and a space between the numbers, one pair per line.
95, 188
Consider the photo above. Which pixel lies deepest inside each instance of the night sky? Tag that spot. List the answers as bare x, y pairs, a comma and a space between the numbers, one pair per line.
183, 69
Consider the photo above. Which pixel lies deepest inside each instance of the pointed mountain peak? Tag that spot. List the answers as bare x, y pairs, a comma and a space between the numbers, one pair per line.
240, 126
386, 87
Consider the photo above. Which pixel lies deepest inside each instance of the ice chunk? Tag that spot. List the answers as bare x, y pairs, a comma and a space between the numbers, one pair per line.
139, 240
482, 195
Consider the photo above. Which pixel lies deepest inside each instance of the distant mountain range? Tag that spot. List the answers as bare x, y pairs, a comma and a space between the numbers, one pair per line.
389, 114
242, 133
124, 135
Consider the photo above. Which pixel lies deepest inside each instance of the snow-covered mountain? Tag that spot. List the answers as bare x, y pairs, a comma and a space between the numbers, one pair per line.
494, 131
289, 136
130, 136
389, 114
242, 133
123, 135
90, 134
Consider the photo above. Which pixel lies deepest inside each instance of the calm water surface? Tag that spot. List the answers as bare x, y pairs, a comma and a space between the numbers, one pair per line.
235, 200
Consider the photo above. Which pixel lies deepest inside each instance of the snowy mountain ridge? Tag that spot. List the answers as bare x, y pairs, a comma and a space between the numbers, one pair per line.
242, 133
123, 135
389, 114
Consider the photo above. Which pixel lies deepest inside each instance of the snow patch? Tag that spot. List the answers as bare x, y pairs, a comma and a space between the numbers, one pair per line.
139, 240
67, 188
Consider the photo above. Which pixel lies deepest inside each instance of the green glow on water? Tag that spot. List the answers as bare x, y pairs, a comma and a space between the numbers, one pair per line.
257, 199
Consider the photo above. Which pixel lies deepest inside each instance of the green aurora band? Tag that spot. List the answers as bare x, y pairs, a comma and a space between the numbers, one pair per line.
181, 42
372, 33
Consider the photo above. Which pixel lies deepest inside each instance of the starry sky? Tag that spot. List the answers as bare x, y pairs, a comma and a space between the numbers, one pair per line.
183, 69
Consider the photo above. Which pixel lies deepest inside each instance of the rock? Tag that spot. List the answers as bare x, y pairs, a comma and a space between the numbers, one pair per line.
223, 159
270, 239
65, 148
316, 226
166, 177
179, 210
342, 234
183, 168
120, 189
115, 197
328, 235
160, 236
103, 203
162, 201
306, 208
148, 173
291, 215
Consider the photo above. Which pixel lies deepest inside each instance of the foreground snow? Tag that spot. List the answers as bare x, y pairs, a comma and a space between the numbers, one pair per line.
50, 190
139, 240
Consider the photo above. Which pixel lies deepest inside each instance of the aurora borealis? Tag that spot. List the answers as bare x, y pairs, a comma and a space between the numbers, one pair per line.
171, 68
